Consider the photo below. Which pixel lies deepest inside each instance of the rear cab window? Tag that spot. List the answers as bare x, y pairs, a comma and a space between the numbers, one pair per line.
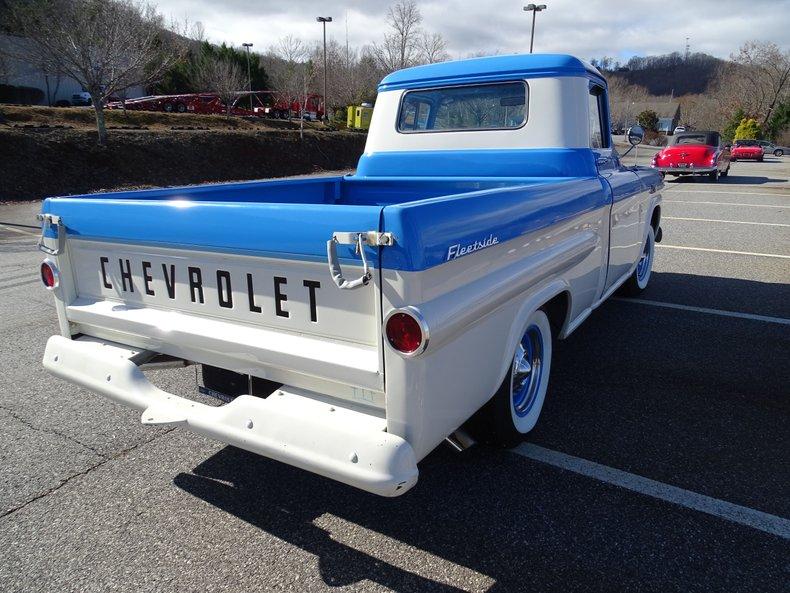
496, 106
692, 139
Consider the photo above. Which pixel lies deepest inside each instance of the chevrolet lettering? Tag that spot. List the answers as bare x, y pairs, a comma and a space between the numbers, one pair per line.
215, 287
348, 325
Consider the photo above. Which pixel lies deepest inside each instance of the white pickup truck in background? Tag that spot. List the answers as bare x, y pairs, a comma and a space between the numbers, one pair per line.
351, 324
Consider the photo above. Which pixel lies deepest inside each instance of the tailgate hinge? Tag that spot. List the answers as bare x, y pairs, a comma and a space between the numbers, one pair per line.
372, 238
48, 220
358, 239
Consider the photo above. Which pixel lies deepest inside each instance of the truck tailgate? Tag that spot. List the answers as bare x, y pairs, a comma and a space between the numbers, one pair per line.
243, 286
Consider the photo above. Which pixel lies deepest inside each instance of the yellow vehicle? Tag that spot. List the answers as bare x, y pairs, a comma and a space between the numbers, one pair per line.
358, 116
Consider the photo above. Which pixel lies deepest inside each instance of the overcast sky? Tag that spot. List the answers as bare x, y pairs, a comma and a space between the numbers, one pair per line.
585, 28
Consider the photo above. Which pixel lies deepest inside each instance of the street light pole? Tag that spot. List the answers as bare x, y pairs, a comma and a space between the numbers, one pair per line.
324, 20
534, 9
249, 76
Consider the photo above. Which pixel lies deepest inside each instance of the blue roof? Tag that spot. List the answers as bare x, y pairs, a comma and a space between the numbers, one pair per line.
491, 68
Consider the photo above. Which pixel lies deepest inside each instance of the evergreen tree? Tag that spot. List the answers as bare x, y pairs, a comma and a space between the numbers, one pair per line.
729, 130
648, 119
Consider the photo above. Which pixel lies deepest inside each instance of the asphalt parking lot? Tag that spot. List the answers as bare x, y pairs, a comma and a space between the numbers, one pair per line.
660, 462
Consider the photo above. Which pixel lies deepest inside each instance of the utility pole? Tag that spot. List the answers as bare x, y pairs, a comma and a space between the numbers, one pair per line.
249, 76
534, 9
324, 20
687, 48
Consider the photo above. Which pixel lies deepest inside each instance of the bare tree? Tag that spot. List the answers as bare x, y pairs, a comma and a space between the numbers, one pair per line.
433, 48
766, 70
354, 74
107, 46
700, 112
293, 73
757, 81
401, 46
307, 75
221, 77
624, 98
288, 68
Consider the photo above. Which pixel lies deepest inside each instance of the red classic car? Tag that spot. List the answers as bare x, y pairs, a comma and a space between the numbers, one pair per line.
747, 150
694, 153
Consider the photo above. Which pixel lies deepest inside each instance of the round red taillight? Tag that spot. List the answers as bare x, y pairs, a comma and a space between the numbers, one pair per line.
49, 275
405, 333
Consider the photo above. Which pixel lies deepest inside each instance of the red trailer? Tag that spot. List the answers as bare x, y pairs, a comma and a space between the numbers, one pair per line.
284, 107
264, 104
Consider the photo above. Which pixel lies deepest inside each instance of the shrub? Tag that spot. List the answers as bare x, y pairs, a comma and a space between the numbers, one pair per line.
648, 119
748, 129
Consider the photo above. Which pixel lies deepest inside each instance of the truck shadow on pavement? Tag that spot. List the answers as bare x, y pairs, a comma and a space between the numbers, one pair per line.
659, 400
483, 521
732, 179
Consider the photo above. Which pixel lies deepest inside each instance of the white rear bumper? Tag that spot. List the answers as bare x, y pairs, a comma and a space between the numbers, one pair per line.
289, 426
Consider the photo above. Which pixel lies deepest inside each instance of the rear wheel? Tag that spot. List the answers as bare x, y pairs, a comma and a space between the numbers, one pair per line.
778, 152
637, 282
180, 107
515, 408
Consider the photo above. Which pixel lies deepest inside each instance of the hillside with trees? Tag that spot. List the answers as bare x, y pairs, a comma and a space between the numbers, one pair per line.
671, 74
712, 93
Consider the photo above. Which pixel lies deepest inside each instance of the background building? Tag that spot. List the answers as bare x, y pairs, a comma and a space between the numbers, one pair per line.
26, 83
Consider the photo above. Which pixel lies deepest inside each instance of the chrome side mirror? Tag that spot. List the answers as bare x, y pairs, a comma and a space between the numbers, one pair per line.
635, 134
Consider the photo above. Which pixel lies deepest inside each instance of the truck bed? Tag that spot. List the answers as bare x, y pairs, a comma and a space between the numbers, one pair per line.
293, 219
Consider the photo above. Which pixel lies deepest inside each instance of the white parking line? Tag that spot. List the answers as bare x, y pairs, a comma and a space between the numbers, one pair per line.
724, 221
723, 251
722, 313
739, 193
765, 522
724, 204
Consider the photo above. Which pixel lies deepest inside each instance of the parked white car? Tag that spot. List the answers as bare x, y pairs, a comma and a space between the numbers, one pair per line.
354, 323
771, 148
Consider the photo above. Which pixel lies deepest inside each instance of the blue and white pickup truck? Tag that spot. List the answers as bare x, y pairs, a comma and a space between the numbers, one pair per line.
354, 323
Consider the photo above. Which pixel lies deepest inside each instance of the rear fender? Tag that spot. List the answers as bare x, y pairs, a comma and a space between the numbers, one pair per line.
532, 303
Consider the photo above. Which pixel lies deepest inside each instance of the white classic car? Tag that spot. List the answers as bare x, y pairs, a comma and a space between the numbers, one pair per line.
351, 324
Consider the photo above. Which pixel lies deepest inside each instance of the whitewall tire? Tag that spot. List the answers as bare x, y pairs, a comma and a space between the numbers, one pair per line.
640, 277
515, 408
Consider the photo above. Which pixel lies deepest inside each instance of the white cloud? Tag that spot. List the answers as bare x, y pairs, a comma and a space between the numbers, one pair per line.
590, 28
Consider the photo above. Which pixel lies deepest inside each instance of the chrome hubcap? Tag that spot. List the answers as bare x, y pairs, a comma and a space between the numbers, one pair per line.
527, 370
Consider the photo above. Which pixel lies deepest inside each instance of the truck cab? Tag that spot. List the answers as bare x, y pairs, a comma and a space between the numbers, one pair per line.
382, 312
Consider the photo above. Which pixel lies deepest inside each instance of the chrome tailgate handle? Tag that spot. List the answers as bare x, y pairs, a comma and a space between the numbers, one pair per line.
359, 239
48, 220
